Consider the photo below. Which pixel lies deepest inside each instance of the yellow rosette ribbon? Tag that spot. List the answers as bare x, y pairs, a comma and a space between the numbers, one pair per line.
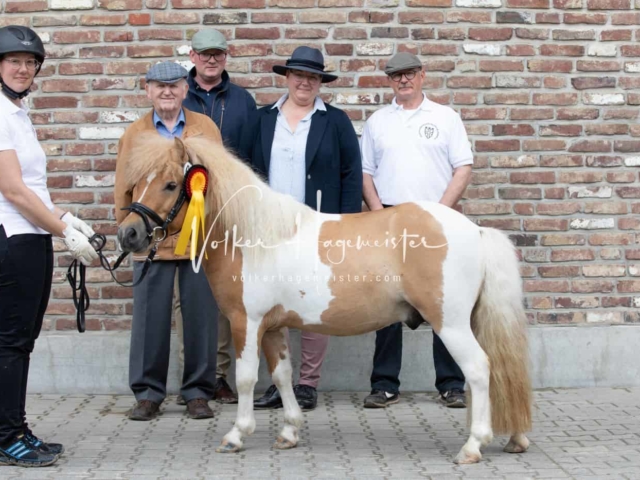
196, 186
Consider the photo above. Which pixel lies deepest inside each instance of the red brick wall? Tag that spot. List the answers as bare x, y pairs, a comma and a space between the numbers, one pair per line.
548, 89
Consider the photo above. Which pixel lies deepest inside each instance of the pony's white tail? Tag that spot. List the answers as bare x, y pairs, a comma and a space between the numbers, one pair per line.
499, 323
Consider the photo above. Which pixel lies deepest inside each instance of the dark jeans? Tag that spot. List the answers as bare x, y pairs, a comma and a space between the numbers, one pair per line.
387, 361
26, 269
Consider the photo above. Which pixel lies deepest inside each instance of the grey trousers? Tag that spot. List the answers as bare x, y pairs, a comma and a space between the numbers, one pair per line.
151, 331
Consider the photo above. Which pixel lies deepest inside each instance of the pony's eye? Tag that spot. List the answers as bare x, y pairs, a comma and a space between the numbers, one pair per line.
171, 186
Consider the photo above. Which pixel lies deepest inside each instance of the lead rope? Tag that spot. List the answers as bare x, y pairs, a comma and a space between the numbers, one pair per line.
77, 271
98, 241
80, 294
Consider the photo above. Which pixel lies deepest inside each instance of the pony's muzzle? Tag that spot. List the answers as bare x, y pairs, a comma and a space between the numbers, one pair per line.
133, 238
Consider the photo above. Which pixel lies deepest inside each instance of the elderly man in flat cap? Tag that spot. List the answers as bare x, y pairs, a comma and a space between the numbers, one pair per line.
166, 87
413, 150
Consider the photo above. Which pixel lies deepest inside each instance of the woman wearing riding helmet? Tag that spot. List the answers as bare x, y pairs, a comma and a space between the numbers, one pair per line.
28, 218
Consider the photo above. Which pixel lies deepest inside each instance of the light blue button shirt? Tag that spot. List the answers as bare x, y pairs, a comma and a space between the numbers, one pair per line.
164, 131
288, 167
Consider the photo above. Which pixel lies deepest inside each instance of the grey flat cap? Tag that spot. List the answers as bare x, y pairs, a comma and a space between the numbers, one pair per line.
402, 61
166, 72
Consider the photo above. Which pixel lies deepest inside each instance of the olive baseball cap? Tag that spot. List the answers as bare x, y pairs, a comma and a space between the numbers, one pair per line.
402, 61
208, 40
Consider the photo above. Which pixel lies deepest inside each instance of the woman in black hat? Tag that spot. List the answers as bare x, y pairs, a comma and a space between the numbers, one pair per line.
303, 145
27, 220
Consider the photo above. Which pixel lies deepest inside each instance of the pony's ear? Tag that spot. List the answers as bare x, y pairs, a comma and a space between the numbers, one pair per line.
180, 147
191, 156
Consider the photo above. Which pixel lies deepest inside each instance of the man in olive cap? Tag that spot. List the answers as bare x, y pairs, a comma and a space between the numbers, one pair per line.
211, 91
229, 106
413, 150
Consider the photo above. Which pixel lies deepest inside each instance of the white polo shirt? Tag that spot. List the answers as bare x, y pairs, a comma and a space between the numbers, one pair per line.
17, 133
411, 155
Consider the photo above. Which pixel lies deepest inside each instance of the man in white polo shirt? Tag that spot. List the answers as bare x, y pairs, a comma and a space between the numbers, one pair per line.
413, 150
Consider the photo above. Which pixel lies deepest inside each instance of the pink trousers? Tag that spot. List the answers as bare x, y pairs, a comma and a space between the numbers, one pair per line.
313, 348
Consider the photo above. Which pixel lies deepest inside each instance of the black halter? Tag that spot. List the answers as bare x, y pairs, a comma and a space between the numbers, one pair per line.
159, 232
155, 234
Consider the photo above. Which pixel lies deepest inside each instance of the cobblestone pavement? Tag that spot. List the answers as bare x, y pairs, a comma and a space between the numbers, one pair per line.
584, 433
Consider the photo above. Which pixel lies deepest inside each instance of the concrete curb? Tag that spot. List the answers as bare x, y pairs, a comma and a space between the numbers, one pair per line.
570, 357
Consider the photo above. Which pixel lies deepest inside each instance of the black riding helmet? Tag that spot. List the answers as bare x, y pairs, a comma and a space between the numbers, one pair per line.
19, 39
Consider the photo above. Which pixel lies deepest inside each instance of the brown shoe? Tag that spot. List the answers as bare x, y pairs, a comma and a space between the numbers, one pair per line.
144, 410
223, 392
198, 408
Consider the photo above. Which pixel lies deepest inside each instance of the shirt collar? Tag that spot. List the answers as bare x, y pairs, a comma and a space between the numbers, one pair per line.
318, 104
8, 106
157, 120
425, 105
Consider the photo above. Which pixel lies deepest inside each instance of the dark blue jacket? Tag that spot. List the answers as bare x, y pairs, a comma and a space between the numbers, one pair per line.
332, 156
228, 105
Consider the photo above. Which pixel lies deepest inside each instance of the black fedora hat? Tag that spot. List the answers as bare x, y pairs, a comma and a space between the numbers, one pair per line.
306, 59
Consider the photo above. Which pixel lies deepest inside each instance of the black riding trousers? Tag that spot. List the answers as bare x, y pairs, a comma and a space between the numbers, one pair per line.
26, 269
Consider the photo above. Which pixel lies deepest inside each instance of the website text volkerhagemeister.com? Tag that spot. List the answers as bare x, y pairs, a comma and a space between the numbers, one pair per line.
367, 278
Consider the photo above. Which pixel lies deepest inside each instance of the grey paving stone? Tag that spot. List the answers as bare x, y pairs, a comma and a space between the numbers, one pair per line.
587, 433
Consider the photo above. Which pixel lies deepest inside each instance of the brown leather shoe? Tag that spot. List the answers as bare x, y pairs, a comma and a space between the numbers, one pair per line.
223, 393
144, 410
198, 408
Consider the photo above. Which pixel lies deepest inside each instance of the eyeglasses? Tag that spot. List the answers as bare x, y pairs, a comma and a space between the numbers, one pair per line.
410, 75
16, 64
218, 57
301, 77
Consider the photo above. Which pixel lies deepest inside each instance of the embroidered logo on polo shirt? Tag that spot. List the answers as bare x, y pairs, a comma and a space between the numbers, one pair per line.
429, 131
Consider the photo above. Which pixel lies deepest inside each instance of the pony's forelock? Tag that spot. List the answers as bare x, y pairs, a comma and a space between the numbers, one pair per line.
151, 153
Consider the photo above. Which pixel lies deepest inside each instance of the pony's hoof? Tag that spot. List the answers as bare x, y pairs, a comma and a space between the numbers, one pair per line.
282, 443
465, 458
519, 444
228, 448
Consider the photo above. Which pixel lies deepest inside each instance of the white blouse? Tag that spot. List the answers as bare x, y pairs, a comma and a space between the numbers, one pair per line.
287, 168
17, 133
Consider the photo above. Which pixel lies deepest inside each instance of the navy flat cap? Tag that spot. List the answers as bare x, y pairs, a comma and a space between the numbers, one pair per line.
166, 72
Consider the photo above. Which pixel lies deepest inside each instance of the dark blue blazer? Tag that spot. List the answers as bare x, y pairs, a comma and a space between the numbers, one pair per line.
332, 156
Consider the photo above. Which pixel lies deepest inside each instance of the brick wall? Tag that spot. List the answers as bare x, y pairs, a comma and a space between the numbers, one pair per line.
548, 90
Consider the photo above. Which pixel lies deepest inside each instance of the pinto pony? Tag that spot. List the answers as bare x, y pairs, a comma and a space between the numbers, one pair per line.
274, 263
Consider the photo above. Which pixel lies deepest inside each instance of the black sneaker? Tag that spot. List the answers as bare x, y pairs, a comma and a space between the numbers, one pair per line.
22, 454
52, 448
454, 398
307, 397
380, 399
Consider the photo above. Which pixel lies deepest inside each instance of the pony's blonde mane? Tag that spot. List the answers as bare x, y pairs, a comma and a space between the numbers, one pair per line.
244, 200
258, 213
